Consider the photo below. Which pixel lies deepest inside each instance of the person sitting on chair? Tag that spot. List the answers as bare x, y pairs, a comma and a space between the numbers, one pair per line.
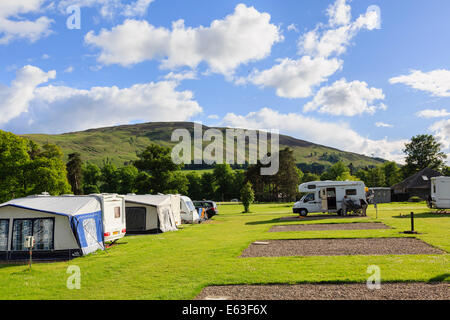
364, 206
346, 204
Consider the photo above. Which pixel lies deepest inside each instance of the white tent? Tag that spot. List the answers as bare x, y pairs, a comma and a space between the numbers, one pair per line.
63, 226
175, 204
149, 213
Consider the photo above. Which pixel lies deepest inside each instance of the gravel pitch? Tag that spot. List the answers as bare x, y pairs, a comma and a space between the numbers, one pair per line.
358, 291
330, 226
335, 247
319, 217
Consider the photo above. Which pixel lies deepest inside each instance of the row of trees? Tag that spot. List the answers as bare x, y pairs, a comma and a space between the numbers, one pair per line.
153, 172
27, 169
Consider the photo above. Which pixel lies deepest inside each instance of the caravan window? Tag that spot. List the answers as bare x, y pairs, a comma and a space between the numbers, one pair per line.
190, 205
350, 192
4, 232
116, 212
41, 229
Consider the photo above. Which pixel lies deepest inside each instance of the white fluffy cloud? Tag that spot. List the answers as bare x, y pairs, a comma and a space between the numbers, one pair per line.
337, 35
296, 78
245, 35
432, 113
383, 125
14, 26
28, 108
346, 98
180, 76
339, 13
14, 100
441, 130
436, 82
334, 134
110, 8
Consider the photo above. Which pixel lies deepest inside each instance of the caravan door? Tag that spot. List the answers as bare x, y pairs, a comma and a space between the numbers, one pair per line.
323, 197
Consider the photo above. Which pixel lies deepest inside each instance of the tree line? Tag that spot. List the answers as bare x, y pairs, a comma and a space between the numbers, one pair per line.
26, 168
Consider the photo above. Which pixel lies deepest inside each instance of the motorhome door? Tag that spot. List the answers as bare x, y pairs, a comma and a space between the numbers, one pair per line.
331, 199
323, 197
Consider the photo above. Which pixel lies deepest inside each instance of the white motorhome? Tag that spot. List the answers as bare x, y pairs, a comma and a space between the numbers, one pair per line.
188, 212
440, 193
327, 196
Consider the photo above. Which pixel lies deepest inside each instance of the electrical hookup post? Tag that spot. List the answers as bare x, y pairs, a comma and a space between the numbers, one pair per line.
29, 244
376, 210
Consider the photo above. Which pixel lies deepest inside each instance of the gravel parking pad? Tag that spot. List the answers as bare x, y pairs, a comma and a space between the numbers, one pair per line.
330, 226
335, 247
357, 291
319, 217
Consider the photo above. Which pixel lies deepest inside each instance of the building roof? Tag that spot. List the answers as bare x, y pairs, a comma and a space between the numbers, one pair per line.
420, 180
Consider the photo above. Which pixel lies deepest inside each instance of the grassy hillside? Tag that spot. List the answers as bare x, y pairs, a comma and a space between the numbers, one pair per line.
121, 143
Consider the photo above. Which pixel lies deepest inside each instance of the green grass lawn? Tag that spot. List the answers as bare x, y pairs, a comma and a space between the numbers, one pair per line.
177, 265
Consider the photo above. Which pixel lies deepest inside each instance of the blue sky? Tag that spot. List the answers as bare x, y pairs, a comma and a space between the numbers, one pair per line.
331, 72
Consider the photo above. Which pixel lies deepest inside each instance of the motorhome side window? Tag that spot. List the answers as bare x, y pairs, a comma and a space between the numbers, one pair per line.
350, 192
117, 212
309, 197
311, 186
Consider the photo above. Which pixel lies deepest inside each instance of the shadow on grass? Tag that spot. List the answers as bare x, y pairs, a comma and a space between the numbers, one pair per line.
440, 278
407, 215
252, 223
289, 219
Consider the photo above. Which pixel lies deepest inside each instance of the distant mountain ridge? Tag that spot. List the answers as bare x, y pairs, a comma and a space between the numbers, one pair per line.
121, 143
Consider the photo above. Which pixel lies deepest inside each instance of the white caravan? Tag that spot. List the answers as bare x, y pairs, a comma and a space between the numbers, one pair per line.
188, 212
63, 226
113, 211
440, 193
327, 196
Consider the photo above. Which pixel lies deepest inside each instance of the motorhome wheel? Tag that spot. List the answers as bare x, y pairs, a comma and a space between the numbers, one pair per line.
303, 212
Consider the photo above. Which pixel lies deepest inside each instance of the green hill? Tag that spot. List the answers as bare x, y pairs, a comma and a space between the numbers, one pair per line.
121, 143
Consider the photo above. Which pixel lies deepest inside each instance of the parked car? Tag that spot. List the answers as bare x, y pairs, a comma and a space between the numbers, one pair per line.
209, 206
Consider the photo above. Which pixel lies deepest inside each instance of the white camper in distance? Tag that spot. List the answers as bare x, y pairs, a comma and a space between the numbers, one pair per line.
327, 196
188, 212
440, 193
